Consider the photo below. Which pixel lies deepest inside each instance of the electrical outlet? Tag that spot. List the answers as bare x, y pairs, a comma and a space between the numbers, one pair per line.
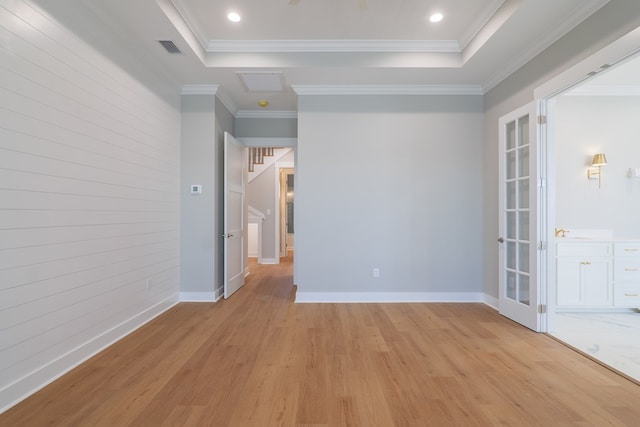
376, 272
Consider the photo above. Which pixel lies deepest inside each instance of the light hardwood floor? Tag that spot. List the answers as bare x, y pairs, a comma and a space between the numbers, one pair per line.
258, 359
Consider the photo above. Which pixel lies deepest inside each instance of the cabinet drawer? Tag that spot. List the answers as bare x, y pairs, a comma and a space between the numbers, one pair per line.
584, 249
626, 296
626, 249
626, 268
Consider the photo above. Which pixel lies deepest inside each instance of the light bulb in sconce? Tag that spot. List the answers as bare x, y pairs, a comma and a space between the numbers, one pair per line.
595, 171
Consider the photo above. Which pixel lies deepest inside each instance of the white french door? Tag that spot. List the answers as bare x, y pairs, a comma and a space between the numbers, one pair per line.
519, 196
234, 194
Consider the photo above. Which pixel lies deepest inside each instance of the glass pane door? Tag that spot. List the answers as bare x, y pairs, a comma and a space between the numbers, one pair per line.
516, 212
518, 297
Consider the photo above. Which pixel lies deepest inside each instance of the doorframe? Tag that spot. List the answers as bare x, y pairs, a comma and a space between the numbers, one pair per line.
278, 166
544, 95
284, 142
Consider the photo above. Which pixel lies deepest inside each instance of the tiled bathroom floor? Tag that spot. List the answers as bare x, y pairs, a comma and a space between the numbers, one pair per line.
612, 338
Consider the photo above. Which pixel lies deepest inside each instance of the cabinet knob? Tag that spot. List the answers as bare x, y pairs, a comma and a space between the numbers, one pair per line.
500, 240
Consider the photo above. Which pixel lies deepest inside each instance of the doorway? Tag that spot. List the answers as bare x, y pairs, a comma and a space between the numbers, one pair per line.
592, 290
265, 206
286, 202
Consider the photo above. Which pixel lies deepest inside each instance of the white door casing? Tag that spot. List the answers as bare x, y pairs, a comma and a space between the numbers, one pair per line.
278, 209
234, 194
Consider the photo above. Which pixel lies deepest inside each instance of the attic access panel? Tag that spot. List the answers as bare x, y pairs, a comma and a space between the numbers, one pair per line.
262, 81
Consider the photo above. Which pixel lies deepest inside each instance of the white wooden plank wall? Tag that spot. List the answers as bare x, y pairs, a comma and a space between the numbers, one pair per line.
89, 201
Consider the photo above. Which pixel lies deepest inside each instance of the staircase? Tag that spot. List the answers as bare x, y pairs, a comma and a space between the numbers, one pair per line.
260, 158
257, 155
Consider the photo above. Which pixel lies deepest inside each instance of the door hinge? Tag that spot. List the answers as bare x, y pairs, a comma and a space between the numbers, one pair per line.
542, 308
542, 183
541, 245
542, 120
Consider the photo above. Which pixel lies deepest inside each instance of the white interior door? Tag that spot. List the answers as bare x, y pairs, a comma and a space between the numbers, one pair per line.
234, 193
518, 225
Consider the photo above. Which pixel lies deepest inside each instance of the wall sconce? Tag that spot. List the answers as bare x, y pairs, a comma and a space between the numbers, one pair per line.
599, 160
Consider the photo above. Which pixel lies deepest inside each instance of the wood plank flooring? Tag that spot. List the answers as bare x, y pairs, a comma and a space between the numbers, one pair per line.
258, 359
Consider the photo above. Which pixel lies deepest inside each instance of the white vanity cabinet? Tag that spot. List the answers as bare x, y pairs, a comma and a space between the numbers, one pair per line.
584, 274
626, 273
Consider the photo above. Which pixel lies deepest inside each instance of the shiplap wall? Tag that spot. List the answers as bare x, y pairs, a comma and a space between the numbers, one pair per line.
89, 201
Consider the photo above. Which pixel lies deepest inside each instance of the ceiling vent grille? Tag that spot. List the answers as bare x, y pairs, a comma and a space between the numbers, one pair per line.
170, 47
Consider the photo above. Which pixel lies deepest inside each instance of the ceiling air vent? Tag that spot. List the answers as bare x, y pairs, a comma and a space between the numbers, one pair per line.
170, 46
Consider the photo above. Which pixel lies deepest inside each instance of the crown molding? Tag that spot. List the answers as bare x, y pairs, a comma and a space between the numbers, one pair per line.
227, 102
211, 90
258, 46
199, 89
266, 114
387, 90
189, 21
480, 23
579, 16
595, 90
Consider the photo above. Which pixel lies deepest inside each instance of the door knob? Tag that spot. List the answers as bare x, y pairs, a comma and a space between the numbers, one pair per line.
227, 235
500, 240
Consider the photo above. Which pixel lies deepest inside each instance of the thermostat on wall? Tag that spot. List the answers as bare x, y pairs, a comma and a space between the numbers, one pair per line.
196, 189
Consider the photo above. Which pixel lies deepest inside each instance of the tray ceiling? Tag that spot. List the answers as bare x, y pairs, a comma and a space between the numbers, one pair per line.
339, 43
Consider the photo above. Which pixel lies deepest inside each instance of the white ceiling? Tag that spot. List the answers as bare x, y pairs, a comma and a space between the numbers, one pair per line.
337, 19
340, 45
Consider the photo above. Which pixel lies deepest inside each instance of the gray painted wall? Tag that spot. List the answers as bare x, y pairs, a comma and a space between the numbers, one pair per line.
392, 182
204, 121
198, 212
252, 127
261, 193
615, 19
589, 125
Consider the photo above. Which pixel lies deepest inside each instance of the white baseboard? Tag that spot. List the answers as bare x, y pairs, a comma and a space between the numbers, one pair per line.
491, 301
219, 293
198, 297
382, 297
31, 383
269, 261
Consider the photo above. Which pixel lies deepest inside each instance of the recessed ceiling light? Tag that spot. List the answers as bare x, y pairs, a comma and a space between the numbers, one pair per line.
436, 17
233, 17
263, 103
